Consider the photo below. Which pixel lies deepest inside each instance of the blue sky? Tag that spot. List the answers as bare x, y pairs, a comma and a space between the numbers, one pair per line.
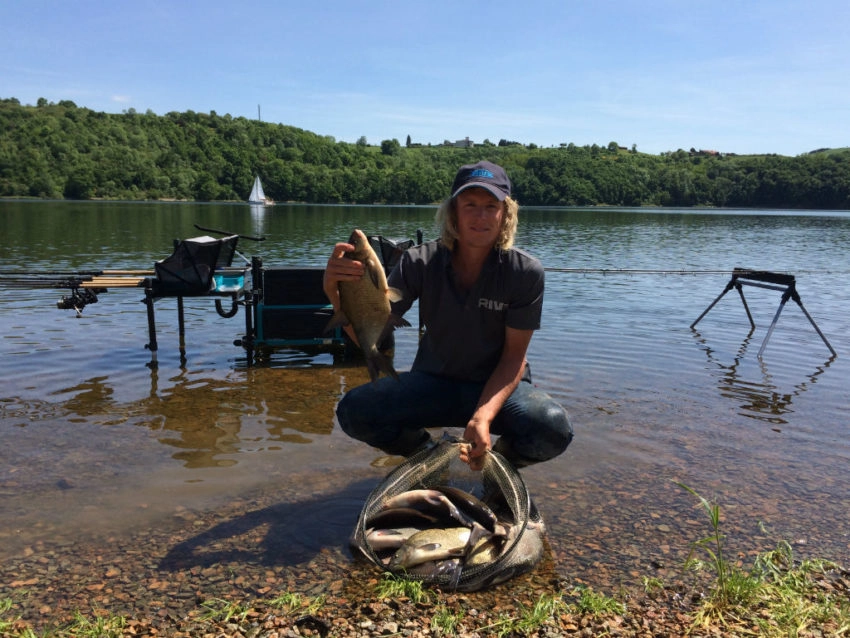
746, 76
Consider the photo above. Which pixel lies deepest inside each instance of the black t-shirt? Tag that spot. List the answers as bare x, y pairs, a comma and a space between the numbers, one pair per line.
465, 332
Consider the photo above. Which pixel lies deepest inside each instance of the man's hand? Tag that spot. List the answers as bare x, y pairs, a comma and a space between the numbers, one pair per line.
340, 268
477, 436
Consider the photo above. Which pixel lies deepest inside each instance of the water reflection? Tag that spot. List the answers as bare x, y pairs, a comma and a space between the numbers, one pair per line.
258, 219
210, 420
762, 399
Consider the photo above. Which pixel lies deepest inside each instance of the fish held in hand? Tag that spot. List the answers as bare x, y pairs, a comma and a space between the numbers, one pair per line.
365, 305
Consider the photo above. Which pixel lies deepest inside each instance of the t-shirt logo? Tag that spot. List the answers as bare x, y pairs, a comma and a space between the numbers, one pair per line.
491, 304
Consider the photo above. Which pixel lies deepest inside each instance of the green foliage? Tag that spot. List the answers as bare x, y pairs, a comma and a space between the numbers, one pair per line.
777, 597
596, 603
393, 586
220, 610
445, 622
733, 586
62, 150
529, 620
292, 603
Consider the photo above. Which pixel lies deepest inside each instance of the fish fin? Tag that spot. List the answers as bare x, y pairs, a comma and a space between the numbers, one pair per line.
337, 321
372, 271
394, 294
395, 321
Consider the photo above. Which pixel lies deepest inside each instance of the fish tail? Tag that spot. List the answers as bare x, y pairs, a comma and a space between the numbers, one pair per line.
378, 362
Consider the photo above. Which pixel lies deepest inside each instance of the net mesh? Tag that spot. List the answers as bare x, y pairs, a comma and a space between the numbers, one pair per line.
498, 484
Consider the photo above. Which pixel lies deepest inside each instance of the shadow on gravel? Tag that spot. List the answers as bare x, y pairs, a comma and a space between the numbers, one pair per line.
285, 534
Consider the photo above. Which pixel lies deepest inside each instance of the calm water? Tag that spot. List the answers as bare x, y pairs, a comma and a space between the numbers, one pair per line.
95, 441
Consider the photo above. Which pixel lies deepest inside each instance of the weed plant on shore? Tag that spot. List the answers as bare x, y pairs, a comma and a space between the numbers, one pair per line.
778, 596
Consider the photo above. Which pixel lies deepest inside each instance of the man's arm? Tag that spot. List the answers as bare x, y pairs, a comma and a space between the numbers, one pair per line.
502, 382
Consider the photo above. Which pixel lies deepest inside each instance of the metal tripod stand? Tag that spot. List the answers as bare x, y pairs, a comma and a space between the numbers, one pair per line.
772, 281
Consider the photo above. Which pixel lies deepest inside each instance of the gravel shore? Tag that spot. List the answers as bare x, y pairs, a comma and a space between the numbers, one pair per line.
223, 572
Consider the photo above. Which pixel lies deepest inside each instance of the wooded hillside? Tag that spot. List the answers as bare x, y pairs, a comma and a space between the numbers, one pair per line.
62, 150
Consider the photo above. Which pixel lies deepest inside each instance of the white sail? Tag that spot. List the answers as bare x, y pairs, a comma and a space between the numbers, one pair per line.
257, 195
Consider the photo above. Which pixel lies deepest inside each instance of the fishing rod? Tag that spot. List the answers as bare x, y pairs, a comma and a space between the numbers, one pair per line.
227, 232
64, 279
22, 273
680, 271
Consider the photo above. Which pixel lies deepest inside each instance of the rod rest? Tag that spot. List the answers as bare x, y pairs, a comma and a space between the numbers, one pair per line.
764, 276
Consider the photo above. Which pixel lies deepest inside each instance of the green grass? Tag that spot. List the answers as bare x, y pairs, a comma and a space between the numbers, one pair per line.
777, 597
531, 619
393, 586
220, 610
596, 604
445, 622
296, 603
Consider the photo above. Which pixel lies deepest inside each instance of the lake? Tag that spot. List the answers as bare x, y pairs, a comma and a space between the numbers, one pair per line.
97, 443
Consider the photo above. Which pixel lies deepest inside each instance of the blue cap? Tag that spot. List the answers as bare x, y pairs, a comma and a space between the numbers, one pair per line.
483, 175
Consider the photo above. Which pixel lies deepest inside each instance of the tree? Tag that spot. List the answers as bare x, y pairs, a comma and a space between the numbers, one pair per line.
390, 147
80, 185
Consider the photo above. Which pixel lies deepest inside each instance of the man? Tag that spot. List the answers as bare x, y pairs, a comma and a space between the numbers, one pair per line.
480, 301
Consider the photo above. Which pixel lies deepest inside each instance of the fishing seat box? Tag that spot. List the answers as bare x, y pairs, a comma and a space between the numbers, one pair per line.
294, 309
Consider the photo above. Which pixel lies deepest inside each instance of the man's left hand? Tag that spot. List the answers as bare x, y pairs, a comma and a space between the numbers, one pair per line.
477, 437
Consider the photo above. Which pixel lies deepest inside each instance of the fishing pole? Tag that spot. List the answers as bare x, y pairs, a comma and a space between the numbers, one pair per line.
674, 271
226, 232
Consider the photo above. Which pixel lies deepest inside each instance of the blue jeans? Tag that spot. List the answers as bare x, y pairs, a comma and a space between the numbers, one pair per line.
392, 415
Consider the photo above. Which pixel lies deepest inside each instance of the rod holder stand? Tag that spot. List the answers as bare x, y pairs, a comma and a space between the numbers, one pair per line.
784, 283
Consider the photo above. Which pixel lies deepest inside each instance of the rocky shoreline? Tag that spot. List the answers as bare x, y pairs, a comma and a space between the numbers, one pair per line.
52, 586
220, 573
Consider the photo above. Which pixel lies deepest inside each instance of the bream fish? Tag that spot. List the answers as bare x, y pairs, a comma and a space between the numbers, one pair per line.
365, 305
471, 506
431, 502
431, 545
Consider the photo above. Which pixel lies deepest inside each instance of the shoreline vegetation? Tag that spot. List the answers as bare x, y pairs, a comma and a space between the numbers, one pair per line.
62, 151
126, 589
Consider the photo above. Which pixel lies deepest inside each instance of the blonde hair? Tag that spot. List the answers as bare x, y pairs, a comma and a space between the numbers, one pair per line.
447, 221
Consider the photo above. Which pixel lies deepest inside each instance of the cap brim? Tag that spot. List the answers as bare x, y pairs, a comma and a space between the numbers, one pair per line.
496, 192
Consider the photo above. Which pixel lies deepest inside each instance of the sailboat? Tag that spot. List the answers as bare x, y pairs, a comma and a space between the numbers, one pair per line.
257, 195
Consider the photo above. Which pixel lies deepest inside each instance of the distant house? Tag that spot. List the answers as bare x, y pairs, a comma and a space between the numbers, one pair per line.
464, 143
704, 153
